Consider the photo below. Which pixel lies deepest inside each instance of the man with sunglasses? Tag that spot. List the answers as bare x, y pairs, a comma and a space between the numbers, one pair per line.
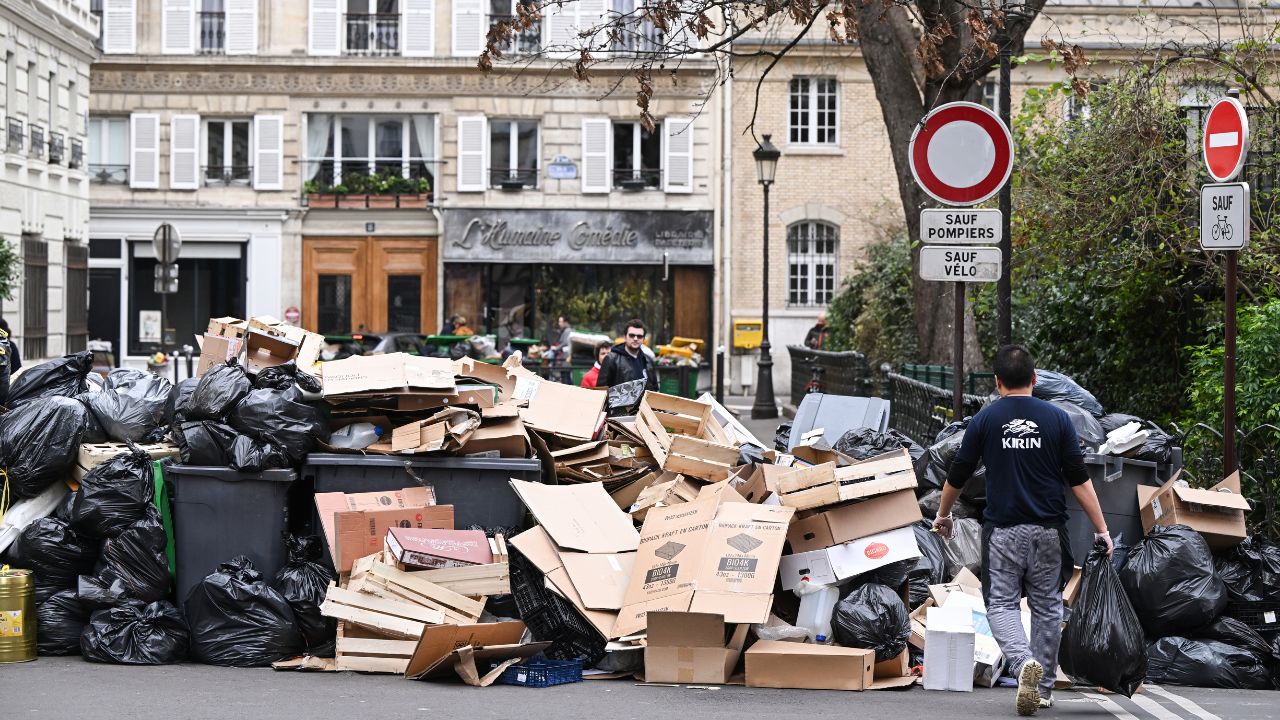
628, 361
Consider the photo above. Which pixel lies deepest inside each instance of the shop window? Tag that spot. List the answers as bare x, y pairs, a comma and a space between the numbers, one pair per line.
77, 297
811, 263
513, 154
814, 105
637, 157
209, 286
35, 297
227, 149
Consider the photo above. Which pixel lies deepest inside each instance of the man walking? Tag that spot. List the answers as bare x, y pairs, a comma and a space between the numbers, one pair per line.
1032, 455
628, 361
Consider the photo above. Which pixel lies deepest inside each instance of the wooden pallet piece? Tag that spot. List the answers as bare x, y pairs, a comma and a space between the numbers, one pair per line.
364, 651
806, 488
681, 415
695, 457
474, 581
398, 619
385, 606
461, 603
391, 591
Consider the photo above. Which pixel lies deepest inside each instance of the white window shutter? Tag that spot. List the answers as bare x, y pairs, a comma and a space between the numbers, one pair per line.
324, 28
591, 15
419, 28
597, 155
677, 165
268, 152
184, 152
473, 146
119, 27
144, 151
469, 28
178, 27
242, 27
559, 28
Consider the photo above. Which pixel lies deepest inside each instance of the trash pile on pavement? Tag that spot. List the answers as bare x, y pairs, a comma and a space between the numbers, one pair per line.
455, 519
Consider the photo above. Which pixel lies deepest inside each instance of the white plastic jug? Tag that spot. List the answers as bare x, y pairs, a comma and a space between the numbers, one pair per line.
357, 436
817, 603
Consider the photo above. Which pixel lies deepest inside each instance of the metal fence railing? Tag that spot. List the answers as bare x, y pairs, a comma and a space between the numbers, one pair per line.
976, 382
920, 410
1257, 457
838, 373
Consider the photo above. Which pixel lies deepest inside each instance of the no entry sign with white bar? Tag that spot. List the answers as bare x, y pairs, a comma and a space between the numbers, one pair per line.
960, 263
953, 227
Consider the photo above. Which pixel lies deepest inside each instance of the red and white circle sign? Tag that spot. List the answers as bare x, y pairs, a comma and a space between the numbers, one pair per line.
292, 315
961, 154
1226, 139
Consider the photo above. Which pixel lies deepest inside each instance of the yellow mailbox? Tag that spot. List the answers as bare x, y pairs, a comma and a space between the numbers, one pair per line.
747, 334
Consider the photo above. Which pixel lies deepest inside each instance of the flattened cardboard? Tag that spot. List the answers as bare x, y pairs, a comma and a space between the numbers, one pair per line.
217, 350
538, 548
1217, 513
439, 642
777, 664
600, 578
262, 351
391, 372
849, 522
579, 517
690, 648
446, 431
429, 549
359, 533
836, 563
565, 410
506, 439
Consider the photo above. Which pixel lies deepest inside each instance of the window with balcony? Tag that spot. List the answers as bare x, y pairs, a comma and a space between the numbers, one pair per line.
811, 263
513, 154
527, 41
14, 135
372, 27
228, 152
813, 111
109, 150
352, 158
637, 157
36, 148
57, 148
211, 23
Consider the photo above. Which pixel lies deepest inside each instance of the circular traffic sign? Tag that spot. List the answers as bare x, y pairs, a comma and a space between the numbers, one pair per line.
166, 243
961, 154
1226, 139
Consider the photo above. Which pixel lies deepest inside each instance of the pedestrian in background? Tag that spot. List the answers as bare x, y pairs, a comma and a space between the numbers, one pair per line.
1032, 456
817, 335
602, 351
628, 361
15, 357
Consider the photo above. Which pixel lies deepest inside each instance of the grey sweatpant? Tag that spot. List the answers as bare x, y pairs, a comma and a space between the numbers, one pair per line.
1026, 557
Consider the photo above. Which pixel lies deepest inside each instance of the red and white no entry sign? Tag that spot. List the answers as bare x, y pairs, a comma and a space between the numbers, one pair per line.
1226, 139
961, 154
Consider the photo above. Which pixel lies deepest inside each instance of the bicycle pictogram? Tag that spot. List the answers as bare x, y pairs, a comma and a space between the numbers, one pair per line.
1222, 229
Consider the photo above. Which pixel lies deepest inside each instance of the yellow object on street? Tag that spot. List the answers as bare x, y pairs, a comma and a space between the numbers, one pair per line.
17, 615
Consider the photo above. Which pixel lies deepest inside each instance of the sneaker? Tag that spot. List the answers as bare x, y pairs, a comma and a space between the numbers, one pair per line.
1046, 703
1028, 701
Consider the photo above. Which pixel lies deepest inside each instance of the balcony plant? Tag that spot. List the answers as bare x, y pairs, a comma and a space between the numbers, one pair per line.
363, 190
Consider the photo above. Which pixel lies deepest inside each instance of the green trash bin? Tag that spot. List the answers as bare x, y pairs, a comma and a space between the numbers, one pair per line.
669, 381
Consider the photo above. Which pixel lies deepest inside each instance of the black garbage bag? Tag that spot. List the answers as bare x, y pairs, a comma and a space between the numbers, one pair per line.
136, 633
864, 442
281, 418
56, 553
1052, 385
137, 557
65, 377
218, 391
237, 620
624, 398
204, 442
59, 622
175, 411
893, 575
304, 581
1251, 571
964, 549
782, 437
1103, 644
1205, 663
249, 455
1088, 430
962, 508
40, 441
131, 405
933, 466
1157, 448
872, 617
6, 349
103, 590
114, 495
285, 376
1235, 633
931, 568
1170, 580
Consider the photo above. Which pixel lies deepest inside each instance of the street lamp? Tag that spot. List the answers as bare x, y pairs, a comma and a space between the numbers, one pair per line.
764, 408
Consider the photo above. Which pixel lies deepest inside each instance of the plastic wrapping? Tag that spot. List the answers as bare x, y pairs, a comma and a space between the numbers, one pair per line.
175, 410
1170, 580
864, 442
137, 557
65, 377
60, 620
872, 616
57, 555
1052, 385
1251, 571
219, 389
964, 549
1157, 448
279, 417
1103, 644
782, 437
40, 441
304, 581
1088, 430
1205, 663
237, 620
204, 442
136, 634
114, 495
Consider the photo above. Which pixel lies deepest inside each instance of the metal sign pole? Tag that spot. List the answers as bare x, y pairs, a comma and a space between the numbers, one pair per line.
957, 354
1229, 371
1004, 288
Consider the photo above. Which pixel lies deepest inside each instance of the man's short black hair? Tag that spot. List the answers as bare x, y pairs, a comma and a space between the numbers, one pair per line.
636, 323
1014, 367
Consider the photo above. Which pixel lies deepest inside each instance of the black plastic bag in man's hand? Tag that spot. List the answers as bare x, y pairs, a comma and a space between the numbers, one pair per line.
1103, 644
114, 495
219, 389
60, 621
40, 441
872, 617
1205, 663
1170, 580
304, 582
136, 634
66, 376
237, 620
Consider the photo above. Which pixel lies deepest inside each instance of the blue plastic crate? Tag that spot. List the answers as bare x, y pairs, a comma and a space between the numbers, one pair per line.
540, 672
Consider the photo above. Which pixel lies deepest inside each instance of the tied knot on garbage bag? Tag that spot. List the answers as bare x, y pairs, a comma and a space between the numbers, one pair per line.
238, 620
1103, 644
136, 633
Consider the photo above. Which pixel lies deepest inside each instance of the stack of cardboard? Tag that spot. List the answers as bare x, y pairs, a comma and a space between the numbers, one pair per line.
257, 343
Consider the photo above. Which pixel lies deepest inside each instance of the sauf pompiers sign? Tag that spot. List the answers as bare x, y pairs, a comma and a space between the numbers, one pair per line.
584, 236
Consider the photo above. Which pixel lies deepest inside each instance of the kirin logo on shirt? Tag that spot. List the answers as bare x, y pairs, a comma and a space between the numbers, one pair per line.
1020, 435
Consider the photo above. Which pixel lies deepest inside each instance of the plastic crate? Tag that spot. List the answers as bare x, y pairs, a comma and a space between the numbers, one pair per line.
550, 617
540, 672
219, 513
1261, 615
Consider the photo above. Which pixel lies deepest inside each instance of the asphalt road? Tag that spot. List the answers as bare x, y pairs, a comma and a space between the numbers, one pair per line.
71, 688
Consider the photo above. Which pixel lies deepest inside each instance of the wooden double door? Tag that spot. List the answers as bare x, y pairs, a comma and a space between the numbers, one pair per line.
369, 284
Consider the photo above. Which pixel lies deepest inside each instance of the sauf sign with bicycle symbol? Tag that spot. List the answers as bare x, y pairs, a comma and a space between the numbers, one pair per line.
1224, 216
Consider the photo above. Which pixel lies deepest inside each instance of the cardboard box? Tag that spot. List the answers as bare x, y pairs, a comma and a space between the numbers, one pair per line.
446, 431
918, 617
849, 522
776, 664
467, 651
1072, 590
1217, 513
831, 565
566, 410
227, 327
825, 484
262, 351
217, 350
949, 649
717, 554
359, 533
690, 648
579, 517
335, 502
426, 549
506, 439
382, 374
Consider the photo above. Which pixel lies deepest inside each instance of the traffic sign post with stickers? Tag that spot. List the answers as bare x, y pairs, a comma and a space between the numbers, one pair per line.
1224, 227
961, 154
